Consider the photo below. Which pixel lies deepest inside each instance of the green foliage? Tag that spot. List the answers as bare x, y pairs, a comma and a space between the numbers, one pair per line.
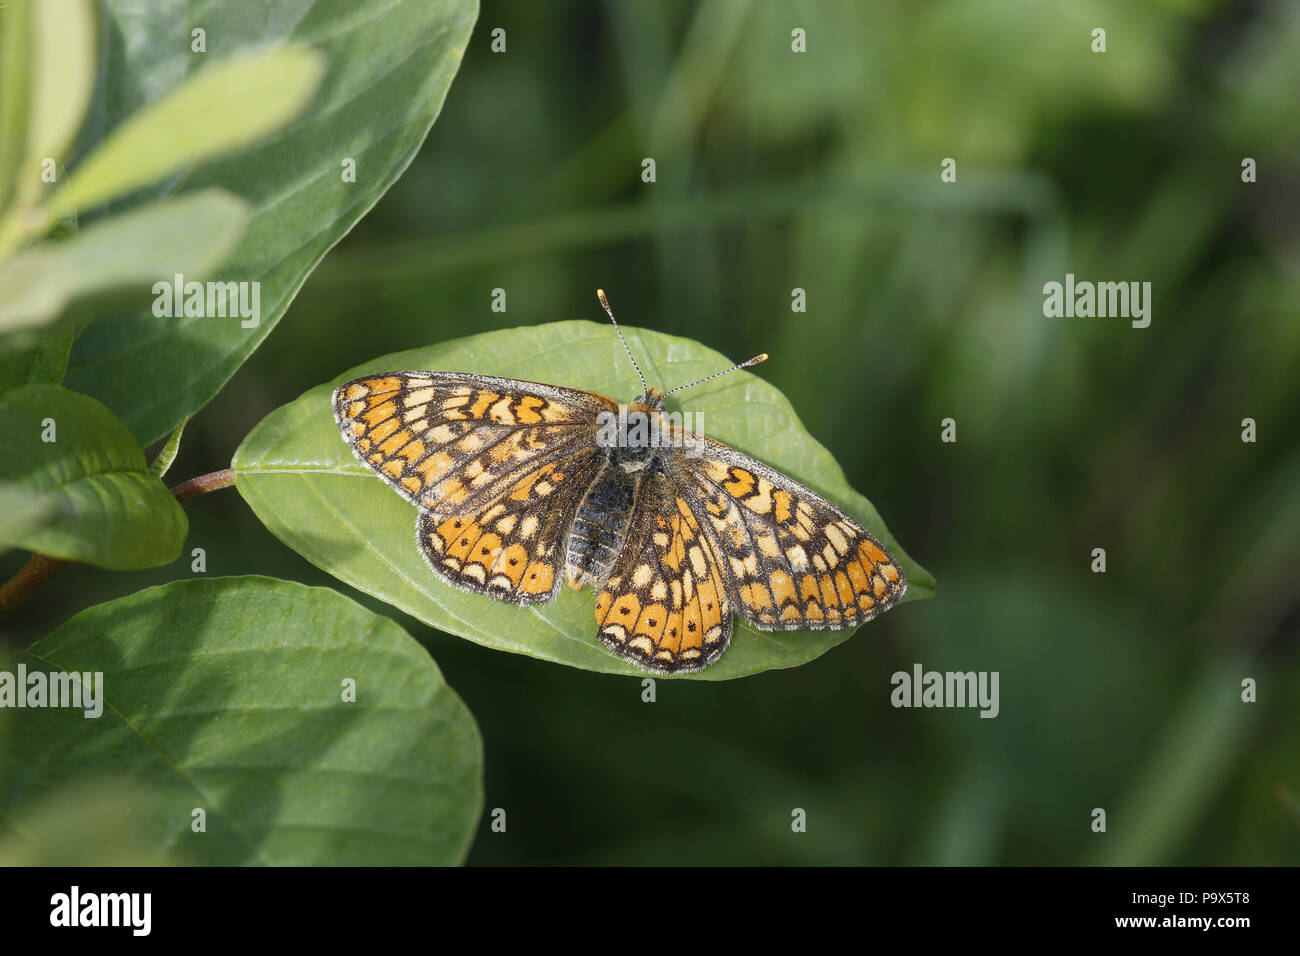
22, 511
101, 822
116, 262
47, 67
43, 362
305, 485
101, 504
222, 107
227, 695
167, 454
390, 66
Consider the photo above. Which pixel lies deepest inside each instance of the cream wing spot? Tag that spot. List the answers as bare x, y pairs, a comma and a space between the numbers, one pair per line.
836, 538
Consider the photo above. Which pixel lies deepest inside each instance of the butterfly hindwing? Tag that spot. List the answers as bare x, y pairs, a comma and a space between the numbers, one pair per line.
453, 443
793, 561
513, 549
665, 603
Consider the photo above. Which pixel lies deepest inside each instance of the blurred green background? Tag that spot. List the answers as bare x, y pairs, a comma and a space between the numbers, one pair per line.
820, 170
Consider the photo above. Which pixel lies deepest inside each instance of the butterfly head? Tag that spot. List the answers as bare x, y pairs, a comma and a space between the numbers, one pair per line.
651, 400
637, 434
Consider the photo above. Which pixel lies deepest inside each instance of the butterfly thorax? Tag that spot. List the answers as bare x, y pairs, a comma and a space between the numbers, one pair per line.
631, 443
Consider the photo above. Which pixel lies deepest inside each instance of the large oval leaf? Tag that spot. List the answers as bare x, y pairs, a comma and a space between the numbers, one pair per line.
390, 64
305, 485
103, 505
227, 695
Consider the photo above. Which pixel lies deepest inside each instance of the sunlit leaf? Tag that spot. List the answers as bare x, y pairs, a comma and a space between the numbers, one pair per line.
63, 74
228, 104
167, 454
15, 86
118, 261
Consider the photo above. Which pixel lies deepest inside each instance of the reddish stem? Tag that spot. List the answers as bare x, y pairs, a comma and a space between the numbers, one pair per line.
41, 567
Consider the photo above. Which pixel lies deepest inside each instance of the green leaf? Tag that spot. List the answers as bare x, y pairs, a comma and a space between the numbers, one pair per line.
118, 260
391, 63
220, 108
47, 72
227, 695
103, 823
108, 510
303, 482
167, 454
41, 363
22, 511
15, 86
62, 78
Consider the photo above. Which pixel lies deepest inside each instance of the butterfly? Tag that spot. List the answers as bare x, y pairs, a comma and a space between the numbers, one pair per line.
523, 486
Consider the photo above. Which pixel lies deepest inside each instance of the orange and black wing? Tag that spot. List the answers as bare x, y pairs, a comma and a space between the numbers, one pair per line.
514, 548
497, 467
453, 443
791, 559
665, 603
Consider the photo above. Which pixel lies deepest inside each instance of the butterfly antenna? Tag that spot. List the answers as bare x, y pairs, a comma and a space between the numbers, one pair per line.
600, 294
754, 361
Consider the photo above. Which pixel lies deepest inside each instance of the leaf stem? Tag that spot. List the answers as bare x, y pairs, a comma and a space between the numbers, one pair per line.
42, 567
203, 484
33, 574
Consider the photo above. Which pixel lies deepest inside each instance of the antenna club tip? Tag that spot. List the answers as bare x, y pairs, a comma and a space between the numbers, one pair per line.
760, 358
600, 294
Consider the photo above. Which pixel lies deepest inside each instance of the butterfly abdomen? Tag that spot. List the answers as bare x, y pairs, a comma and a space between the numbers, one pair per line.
600, 526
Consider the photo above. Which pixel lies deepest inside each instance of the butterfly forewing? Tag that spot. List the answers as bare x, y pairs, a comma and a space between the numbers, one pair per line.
454, 443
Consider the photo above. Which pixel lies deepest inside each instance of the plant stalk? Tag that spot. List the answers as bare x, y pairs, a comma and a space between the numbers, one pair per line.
42, 567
